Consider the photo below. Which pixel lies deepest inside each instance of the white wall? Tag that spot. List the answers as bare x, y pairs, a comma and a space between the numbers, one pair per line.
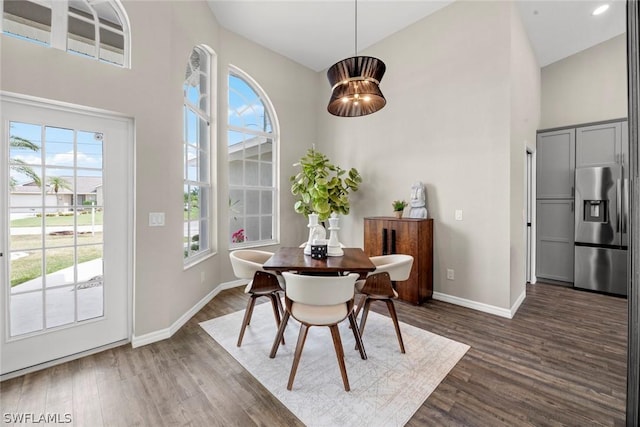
586, 87
525, 119
163, 35
447, 123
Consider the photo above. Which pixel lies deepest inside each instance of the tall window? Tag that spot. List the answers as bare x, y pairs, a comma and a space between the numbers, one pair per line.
197, 155
252, 144
94, 28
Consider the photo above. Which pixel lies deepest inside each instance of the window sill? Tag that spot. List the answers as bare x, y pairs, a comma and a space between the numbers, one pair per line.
249, 245
192, 262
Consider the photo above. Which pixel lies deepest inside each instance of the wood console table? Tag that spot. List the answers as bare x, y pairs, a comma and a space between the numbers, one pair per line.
411, 236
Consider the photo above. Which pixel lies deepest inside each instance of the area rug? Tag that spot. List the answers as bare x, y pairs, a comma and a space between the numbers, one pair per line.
386, 389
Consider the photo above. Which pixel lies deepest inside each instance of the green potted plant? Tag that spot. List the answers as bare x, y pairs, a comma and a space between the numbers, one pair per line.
398, 207
322, 187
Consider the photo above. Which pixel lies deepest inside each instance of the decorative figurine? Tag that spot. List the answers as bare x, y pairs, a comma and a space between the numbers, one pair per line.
316, 232
334, 247
418, 201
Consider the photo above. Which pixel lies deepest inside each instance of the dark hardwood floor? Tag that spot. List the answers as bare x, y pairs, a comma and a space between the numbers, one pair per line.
561, 361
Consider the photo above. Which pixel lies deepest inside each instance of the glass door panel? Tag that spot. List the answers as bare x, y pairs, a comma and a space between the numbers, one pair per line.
56, 242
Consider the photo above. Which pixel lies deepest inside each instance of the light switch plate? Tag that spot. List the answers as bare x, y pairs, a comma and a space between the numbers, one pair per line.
156, 219
458, 214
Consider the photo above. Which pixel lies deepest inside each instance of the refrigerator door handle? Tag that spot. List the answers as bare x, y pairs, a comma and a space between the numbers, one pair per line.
618, 203
625, 210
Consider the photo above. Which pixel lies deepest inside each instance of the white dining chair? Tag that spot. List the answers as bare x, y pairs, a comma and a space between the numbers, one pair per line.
378, 286
247, 264
319, 301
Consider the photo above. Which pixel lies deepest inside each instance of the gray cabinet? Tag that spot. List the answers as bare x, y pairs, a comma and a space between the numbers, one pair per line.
556, 164
555, 239
555, 160
600, 145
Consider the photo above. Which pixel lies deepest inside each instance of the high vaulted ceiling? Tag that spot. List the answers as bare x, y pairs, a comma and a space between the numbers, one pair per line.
318, 33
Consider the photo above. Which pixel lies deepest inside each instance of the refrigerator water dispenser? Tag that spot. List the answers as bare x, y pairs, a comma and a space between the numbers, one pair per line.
595, 211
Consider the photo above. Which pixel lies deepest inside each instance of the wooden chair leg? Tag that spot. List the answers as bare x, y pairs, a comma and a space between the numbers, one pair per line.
279, 335
356, 334
365, 313
394, 317
276, 309
359, 305
247, 318
302, 336
277, 295
337, 343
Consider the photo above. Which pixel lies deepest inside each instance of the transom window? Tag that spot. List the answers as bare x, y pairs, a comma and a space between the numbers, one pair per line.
197, 155
252, 147
93, 28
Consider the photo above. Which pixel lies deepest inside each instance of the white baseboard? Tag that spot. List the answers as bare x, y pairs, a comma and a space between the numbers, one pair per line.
163, 334
485, 308
516, 305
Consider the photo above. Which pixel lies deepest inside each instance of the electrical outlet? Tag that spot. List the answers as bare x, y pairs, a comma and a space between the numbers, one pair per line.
450, 274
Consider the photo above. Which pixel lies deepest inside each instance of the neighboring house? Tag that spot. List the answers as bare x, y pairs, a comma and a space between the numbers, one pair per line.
89, 188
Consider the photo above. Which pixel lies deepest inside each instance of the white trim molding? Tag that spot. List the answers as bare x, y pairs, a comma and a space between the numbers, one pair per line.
163, 334
485, 308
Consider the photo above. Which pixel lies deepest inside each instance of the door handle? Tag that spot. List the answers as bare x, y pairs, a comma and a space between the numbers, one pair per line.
571, 206
618, 203
625, 205
384, 241
393, 241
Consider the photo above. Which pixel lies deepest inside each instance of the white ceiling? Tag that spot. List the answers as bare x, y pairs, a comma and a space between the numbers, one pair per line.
318, 33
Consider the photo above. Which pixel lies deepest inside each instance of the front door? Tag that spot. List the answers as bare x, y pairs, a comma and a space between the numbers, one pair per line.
66, 245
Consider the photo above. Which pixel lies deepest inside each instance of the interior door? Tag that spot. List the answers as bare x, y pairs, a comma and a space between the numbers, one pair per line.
66, 245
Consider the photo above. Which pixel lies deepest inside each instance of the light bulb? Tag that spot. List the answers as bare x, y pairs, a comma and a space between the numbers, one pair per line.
345, 99
367, 98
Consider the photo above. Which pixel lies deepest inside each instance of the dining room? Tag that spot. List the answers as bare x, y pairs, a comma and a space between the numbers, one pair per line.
214, 152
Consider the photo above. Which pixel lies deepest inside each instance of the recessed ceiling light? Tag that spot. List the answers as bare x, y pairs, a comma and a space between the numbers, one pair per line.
600, 9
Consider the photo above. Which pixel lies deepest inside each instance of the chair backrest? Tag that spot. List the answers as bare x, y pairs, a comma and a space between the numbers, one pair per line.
246, 262
398, 265
320, 290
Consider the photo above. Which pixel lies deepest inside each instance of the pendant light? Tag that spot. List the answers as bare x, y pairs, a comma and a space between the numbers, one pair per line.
355, 83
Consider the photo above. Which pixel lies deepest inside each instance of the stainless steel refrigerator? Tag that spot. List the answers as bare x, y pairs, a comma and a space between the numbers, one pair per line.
601, 223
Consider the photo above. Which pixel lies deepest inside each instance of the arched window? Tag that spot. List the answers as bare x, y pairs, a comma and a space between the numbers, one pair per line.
93, 28
252, 145
197, 122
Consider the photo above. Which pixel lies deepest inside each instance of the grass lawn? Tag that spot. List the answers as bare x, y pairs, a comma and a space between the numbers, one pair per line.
58, 220
58, 254
193, 213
